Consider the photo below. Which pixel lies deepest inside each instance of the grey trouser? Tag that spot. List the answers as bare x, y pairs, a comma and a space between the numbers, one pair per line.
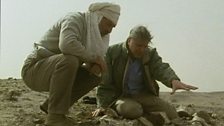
62, 76
134, 106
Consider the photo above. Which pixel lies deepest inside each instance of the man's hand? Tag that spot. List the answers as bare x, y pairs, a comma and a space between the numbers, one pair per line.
95, 69
98, 112
100, 61
176, 85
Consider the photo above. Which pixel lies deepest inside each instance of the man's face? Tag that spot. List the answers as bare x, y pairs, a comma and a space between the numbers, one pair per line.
137, 47
105, 26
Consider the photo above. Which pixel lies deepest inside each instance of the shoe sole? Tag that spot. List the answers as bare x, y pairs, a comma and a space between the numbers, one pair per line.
43, 109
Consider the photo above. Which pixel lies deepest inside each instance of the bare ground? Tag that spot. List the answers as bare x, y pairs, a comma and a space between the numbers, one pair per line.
19, 106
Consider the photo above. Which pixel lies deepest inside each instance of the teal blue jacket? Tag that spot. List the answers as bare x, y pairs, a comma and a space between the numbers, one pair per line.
112, 86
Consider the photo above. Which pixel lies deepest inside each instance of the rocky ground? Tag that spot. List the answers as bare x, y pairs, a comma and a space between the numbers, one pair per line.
19, 106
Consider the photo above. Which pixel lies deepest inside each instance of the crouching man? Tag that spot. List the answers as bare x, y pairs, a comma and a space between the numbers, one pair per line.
129, 85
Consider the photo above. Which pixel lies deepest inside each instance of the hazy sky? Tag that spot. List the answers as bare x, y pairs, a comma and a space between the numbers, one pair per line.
188, 34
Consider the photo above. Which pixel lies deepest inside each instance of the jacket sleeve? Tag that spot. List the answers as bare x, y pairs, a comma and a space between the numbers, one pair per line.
106, 92
69, 38
161, 71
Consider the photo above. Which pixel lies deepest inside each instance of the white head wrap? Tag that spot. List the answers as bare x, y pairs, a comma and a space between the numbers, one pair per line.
95, 43
109, 10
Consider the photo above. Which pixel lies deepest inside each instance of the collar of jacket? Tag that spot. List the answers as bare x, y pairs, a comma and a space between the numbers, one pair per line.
145, 61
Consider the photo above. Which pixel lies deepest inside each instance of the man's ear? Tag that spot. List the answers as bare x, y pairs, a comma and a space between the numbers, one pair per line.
128, 40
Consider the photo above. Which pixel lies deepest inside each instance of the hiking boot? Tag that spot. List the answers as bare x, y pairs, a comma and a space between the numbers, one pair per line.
155, 118
44, 107
59, 120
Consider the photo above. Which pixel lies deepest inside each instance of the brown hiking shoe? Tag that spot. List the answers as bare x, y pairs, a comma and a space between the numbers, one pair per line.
155, 118
59, 120
44, 107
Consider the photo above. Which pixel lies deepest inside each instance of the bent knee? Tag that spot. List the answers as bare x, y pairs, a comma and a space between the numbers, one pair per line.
129, 108
70, 61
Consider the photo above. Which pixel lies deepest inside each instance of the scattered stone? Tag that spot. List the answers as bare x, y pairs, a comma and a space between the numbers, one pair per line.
108, 121
214, 115
186, 111
196, 120
20, 107
89, 100
196, 124
205, 116
12, 95
38, 121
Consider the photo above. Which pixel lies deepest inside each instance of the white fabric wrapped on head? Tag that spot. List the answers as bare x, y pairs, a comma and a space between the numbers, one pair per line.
95, 43
109, 10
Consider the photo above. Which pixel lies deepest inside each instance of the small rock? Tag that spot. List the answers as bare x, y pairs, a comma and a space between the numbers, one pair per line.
185, 111
89, 100
12, 95
108, 121
197, 119
196, 124
214, 115
205, 116
38, 121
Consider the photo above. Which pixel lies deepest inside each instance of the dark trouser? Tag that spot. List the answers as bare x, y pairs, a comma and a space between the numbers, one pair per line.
134, 106
62, 76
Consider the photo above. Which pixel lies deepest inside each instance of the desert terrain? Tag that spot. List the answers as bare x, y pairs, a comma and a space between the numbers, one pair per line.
19, 106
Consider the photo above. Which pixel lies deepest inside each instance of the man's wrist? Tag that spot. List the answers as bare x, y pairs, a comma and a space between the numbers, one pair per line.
173, 82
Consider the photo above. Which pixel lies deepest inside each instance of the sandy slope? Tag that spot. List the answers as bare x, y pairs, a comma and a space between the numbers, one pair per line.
19, 106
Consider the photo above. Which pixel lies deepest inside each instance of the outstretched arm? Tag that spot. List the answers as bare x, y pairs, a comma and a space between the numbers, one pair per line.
177, 85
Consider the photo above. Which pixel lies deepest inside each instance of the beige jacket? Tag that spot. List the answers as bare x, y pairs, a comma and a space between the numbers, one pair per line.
67, 36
